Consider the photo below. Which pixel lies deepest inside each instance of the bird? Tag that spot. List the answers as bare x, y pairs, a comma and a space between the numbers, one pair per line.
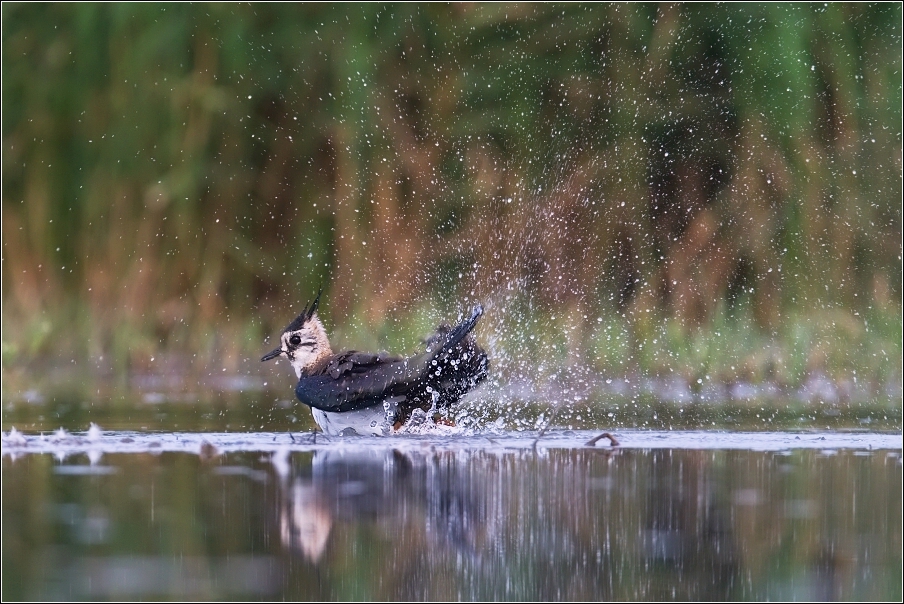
369, 394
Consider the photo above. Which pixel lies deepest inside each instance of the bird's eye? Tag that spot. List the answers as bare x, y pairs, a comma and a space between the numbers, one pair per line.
295, 340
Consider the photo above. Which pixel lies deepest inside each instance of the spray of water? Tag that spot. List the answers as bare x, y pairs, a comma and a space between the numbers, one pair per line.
537, 266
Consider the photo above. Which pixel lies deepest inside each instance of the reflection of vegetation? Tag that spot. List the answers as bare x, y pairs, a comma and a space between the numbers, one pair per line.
718, 184
643, 404
442, 525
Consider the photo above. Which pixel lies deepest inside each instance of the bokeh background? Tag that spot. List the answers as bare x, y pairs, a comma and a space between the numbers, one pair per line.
699, 192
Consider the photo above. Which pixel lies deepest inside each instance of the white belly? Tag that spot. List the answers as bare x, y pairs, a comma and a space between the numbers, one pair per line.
374, 421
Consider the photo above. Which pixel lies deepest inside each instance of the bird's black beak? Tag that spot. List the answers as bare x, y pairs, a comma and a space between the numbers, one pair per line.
272, 354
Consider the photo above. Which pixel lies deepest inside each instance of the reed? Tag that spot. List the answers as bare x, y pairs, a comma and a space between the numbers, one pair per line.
177, 178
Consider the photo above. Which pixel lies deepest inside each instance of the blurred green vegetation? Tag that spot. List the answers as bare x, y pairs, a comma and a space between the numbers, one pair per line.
716, 187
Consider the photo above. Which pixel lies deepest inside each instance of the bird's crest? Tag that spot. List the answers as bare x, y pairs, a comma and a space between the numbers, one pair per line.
305, 315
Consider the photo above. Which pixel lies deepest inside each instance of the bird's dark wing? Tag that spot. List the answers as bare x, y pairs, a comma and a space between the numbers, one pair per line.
356, 380
356, 386
354, 362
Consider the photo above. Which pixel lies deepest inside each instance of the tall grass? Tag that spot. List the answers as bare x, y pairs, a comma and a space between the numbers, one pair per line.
184, 177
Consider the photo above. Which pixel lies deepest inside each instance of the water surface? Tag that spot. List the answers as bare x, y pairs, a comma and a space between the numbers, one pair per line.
673, 515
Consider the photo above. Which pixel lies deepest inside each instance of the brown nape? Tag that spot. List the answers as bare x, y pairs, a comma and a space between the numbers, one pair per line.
320, 366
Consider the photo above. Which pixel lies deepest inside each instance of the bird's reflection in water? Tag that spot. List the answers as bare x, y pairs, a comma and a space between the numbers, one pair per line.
305, 519
386, 487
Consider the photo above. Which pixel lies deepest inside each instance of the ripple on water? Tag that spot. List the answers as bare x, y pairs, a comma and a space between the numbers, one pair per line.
96, 441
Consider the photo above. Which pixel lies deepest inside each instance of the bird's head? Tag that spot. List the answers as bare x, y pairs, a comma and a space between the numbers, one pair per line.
303, 342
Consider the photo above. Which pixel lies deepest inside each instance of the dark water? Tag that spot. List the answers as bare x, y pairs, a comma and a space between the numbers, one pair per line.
671, 516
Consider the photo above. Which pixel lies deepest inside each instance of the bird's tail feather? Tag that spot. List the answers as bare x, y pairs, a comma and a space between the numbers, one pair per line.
446, 340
